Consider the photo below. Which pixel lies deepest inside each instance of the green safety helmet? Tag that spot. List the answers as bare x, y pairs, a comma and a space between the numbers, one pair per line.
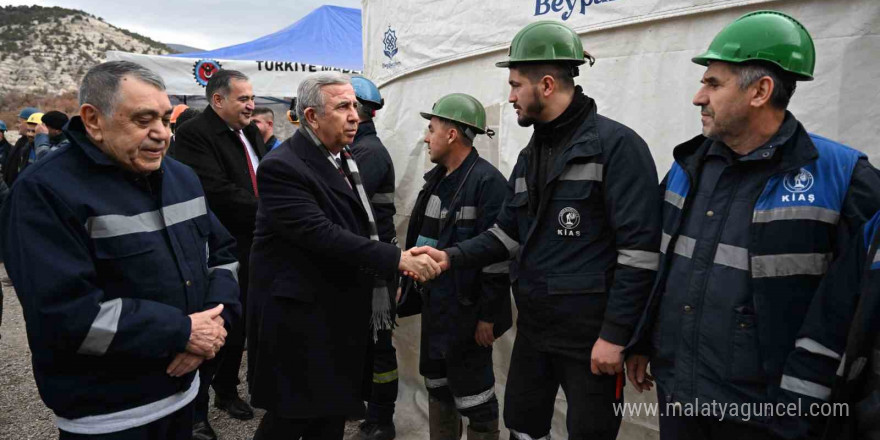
547, 41
463, 109
769, 36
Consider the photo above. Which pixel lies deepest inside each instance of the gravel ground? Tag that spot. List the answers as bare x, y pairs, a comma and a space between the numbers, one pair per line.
22, 413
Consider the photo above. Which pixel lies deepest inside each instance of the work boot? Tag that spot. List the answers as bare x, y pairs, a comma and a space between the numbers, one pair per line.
444, 422
375, 431
483, 430
233, 405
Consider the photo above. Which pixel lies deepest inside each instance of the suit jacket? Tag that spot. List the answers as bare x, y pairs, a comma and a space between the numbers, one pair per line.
313, 270
206, 144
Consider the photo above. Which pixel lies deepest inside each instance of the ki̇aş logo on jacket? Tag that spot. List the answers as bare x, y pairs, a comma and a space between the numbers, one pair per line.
797, 183
389, 42
569, 219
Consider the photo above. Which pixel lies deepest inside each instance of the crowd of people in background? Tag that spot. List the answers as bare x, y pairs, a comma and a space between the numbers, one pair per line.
180, 238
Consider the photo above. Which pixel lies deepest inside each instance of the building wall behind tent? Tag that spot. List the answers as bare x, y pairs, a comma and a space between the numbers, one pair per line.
643, 78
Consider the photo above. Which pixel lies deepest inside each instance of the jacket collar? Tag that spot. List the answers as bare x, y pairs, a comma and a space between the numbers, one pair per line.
797, 151
365, 129
439, 171
583, 143
76, 132
217, 124
309, 151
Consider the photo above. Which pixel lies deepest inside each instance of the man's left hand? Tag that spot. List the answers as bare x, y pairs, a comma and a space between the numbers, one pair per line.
184, 363
606, 358
485, 335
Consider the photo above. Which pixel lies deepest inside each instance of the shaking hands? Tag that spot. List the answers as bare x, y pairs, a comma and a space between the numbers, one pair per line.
423, 263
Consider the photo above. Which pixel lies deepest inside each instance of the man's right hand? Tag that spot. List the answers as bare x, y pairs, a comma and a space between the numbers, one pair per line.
636, 372
207, 335
418, 267
184, 363
41, 129
441, 257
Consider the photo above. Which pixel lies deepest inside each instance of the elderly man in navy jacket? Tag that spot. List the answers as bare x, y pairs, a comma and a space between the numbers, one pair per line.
126, 278
317, 291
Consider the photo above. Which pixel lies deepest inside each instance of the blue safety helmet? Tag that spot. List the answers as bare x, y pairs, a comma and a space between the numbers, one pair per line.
27, 112
3, 126
367, 92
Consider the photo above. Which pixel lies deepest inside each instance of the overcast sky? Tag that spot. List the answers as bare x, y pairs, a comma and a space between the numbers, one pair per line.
205, 24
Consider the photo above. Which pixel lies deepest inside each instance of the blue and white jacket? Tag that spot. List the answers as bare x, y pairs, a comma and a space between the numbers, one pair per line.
812, 204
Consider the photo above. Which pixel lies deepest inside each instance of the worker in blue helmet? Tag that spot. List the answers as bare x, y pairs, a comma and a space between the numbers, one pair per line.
377, 172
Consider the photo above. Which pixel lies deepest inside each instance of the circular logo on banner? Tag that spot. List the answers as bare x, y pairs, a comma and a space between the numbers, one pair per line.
569, 218
798, 181
203, 70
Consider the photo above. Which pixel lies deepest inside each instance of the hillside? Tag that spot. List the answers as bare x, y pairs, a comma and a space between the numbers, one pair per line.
47, 50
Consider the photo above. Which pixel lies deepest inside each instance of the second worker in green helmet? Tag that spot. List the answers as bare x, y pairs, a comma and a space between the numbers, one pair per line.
756, 209
463, 312
581, 226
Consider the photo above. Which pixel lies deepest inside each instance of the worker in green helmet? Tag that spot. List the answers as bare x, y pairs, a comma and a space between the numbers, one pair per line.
465, 311
756, 209
581, 224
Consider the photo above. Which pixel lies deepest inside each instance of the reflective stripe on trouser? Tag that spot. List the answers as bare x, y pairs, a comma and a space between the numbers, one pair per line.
382, 379
464, 379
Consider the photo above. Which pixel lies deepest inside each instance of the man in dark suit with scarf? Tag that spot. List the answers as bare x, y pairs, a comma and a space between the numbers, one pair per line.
317, 290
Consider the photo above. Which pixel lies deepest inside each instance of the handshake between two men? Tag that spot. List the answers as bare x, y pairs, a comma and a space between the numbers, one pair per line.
423, 263
207, 335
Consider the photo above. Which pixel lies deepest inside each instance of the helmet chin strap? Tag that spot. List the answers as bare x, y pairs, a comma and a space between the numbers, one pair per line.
469, 132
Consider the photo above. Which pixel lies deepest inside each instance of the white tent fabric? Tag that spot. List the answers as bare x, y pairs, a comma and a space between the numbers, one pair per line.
188, 76
420, 50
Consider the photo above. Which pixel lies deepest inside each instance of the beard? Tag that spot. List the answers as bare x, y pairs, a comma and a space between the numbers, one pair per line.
528, 116
722, 130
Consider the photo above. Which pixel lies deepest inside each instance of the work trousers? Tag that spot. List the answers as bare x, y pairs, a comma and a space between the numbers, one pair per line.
464, 378
381, 380
530, 397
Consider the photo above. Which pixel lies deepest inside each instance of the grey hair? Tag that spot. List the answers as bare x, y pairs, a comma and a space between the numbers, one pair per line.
219, 83
783, 85
309, 94
100, 85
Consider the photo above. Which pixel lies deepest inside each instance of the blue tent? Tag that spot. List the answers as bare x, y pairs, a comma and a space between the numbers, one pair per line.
328, 36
